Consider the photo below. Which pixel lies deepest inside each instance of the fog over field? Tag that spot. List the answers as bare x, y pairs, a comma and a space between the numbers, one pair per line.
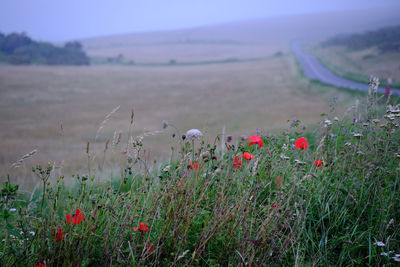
233, 76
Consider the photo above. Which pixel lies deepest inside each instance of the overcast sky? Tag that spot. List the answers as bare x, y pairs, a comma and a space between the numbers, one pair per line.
60, 20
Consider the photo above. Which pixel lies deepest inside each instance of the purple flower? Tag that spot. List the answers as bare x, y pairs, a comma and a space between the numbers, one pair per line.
355, 120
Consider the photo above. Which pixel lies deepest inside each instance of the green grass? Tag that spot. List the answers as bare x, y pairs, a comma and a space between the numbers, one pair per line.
219, 215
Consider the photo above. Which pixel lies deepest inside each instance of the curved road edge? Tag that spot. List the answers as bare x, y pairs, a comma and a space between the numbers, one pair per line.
314, 70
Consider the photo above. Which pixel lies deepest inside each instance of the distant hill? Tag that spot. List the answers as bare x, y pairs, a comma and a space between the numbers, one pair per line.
257, 38
18, 48
385, 39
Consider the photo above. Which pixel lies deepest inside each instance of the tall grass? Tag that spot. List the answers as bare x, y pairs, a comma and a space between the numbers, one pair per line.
278, 208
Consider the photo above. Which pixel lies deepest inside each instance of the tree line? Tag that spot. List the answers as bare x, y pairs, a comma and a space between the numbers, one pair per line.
19, 49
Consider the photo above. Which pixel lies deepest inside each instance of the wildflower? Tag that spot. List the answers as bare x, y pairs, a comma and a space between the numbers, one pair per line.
142, 228
247, 156
41, 264
229, 138
194, 134
194, 165
379, 244
301, 143
396, 259
150, 247
59, 236
284, 157
255, 139
279, 181
180, 184
318, 163
274, 205
12, 210
76, 218
327, 123
237, 163
299, 162
357, 135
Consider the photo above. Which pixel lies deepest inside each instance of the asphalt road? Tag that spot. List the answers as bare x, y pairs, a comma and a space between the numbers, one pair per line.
314, 70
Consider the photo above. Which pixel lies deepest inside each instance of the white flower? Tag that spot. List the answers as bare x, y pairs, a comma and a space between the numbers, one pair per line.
284, 157
32, 233
336, 119
396, 259
327, 122
358, 135
379, 244
298, 162
194, 134
12, 210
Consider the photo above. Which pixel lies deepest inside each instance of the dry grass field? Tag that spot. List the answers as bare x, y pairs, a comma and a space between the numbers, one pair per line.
36, 101
59, 109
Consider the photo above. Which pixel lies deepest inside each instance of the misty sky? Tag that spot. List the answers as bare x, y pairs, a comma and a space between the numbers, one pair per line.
62, 20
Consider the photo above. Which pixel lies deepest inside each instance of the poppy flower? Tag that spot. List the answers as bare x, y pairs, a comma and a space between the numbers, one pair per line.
247, 155
150, 247
59, 236
255, 139
301, 143
194, 166
75, 218
279, 181
237, 163
274, 205
180, 184
142, 228
318, 163
41, 265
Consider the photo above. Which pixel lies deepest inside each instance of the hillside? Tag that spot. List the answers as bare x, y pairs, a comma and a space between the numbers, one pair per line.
240, 40
386, 40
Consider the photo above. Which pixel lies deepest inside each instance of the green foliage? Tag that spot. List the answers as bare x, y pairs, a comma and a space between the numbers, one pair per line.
20, 49
385, 39
219, 215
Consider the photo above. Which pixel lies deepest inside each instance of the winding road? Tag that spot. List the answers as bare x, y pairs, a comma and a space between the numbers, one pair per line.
314, 70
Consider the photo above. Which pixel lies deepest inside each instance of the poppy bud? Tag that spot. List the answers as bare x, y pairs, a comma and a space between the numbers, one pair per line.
183, 137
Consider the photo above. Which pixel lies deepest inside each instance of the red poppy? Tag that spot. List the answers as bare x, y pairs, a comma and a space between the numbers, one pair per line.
150, 247
318, 163
142, 228
76, 218
301, 143
59, 236
237, 163
179, 184
255, 139
274, 205
194, 166
247, 155
279, 181
41, 265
